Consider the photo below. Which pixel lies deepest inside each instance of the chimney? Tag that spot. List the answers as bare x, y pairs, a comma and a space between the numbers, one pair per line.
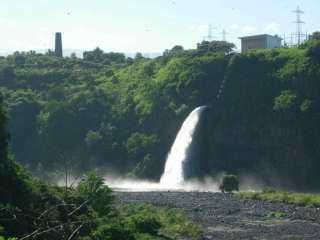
58, 45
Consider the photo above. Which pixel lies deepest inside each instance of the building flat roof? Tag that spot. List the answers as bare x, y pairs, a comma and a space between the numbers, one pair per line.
260, 36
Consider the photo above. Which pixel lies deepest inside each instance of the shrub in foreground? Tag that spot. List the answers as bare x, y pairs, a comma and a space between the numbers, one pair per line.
149, 222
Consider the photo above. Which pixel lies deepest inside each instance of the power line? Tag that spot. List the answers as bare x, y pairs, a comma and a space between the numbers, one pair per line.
224, 35
209, 37
299, 23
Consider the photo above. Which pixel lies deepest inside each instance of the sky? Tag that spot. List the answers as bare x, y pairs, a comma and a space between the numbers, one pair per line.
144, 25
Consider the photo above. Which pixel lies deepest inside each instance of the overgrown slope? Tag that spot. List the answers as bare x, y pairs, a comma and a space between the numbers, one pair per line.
123, 114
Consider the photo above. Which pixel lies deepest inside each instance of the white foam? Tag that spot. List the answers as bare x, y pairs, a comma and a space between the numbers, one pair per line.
173, 176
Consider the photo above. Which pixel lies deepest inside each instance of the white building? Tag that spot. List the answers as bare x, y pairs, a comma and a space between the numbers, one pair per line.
263, 41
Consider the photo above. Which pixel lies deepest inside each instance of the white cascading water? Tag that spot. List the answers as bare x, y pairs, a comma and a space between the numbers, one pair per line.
173, 175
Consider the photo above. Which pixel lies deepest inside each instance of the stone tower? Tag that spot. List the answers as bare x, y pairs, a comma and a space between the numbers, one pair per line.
58, 45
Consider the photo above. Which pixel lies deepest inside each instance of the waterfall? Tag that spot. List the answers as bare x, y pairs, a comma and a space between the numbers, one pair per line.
173, 175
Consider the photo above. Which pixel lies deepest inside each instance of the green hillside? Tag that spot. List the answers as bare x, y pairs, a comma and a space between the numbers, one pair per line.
109, 111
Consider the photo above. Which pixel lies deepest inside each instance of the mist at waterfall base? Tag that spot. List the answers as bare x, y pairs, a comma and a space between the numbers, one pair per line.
184, 165
184, 160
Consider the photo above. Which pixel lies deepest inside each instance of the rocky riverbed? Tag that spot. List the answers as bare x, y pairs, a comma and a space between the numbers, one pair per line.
226, 216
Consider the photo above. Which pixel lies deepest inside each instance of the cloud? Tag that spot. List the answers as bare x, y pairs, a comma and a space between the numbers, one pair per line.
234, 27
238, 29
272, 27
198, 28
248, 29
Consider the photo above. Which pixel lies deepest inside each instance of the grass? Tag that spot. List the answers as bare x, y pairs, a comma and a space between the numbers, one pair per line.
277, 214
268, 194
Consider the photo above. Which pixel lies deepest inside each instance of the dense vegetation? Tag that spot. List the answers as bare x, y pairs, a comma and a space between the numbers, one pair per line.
30, 209
104, 110
118, 113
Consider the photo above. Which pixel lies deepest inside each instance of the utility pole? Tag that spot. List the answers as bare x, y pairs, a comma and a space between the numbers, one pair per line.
299, 23
224, 35
209, 37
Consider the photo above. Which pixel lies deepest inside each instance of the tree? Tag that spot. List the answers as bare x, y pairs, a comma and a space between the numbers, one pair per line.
174, 52
93, 138
285, 101
73, 55
50, 53
3, 138
215, 46
113, 232
23, 110
229, 183
139, 144
94, 56
6, 74
315, 36
138, 56
19, 59
99, 56
313, 50
114, 57
93, 189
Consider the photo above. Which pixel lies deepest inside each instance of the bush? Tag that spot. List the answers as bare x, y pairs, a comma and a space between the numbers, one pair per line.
146, 224
229, 183
285, 101
268, 190
93, 187
277, 214
149, 222
113, 232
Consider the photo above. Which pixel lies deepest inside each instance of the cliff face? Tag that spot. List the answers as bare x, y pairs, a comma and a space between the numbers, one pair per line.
265, 122
260, 126
277, 157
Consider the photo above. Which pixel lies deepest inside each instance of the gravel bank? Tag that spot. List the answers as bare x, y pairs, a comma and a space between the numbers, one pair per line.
225, 216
